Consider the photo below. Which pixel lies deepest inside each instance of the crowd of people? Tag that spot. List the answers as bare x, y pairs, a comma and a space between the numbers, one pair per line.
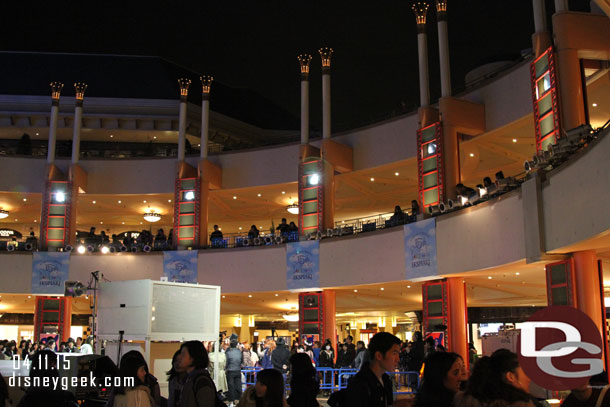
10, 350
497, 380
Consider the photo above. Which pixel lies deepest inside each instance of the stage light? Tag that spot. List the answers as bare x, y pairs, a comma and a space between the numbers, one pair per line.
434, 210
3, 214
293, 208
81, 249
60, 197
314, 179
463, 200
482, 191
74, 289
443, 207
189, 196
104, 250
454, 204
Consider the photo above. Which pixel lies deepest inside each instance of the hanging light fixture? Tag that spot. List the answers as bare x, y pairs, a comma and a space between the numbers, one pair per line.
152, 217
293, 208
4, 214
291, 317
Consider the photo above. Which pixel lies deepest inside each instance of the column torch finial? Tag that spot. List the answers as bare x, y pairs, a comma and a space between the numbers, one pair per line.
325, 54
304, 60
441, 9
56, 88
206, 84
184, 88
420, 9
80, 88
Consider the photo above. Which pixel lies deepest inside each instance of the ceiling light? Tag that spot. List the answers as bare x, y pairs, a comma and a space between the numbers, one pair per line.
140, 223
408, 286
382, 288
94, 202
291, 317
397, 174
249, 295
355, 290
283, 192
35, 221
16, 220
189, 196
144, 201
169, 200
234, 197
314, 179
112, 135
155, 137
122, 223
471, 154
152, 217
38, 134
293, 209
594, 105
259, 195
260, 227
489, 277
3, 214
514, 140
240, 228
277, 295
101, 223
517, 273
119, 201
25, 199
224, 296
372, 179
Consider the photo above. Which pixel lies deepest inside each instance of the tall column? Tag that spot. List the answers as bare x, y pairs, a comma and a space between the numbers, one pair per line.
570, 88
325, 54
206, 82
541, 39
420, 9
587, 281
184, 91
304, 60
78, 120
443, 47
561, 6
329, 317
56, 88
458, 317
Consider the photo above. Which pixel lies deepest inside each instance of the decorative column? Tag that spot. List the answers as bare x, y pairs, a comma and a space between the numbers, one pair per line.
209, 174
421, 9
541, 39
458, 317
589, 287
317, 314
78, 120
325, 54
206, 82
443, 47
56, 88
561, 6
184, 91
304, 60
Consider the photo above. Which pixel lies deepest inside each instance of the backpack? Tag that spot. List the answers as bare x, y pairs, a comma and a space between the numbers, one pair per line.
207, 382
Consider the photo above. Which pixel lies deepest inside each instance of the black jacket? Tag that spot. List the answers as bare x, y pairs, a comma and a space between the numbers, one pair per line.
365, 390
280, 357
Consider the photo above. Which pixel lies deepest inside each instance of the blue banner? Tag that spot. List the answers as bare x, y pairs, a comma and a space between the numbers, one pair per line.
49, 272
180, 266
420, 249
303, 265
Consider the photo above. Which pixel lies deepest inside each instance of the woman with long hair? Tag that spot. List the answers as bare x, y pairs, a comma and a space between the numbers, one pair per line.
497, 381
133, 392
199, 388
304, 385
443, 374
267, 392
175, 380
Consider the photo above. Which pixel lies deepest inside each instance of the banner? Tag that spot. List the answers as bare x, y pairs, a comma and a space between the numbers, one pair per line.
49, 272
180, 266
303, 265
420, 249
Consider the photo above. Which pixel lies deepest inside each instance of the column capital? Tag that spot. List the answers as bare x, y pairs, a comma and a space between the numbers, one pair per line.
304, 60
421, 10
206, 85
325, 54
441, 10
56, 88
80, 88
184, 84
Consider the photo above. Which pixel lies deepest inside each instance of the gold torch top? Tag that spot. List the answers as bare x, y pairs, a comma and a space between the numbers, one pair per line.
184, 88
80, 88
206, 83
56, 88
325, 54
304, 60
420, 9
441, 9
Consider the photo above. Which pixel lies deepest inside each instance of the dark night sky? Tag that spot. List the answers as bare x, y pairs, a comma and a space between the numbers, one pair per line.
254, 44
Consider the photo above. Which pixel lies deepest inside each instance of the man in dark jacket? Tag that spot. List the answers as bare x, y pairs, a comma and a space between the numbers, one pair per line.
234, 360
280, 357
371, 386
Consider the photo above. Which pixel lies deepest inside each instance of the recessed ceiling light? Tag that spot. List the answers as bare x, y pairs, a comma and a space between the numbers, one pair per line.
489, 277
234, 197
169, 200
25, 199
249, 295
408, 286
283, 192
155, 137
355, 291
517, 273
35, 221
144, 201
122, 223
594, 105
471, 154
240, 228
94, 202
277, 295
101, 223
382, 288
372, 179
260, 227
140, 223
514, 140
38, 134
112, 135
16, 220
119, 201
397, 174
224, 296
259, 195
198, 145
219, 228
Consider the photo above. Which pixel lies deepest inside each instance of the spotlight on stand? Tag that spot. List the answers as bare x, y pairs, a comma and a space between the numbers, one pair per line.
112, 249
147, 249
578, 135
482, 191
104, 250
90, 248
81, 249
529, 166
74, 289
268, 240
279, 240
10, 247
123, 249
504, 184
434, 210
68, 248
29, 247
491, 187
454, 204
246, 241
443, 207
